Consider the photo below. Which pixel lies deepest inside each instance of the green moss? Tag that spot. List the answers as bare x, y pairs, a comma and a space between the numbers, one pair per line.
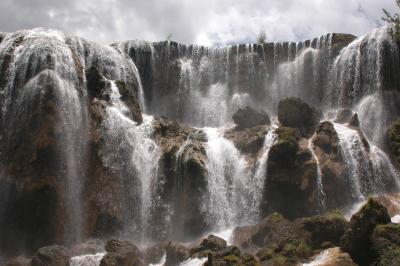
394, 138
287, 134
123, 90
231, 258
335, 214
391, 256
279, 261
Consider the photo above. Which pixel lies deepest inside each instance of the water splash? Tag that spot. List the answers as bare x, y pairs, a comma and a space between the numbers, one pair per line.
87, 260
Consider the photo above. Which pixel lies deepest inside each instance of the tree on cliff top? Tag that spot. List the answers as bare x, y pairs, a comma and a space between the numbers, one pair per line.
395, 20
262, 37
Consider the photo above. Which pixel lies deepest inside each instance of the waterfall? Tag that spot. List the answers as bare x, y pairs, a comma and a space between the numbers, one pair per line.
321, 194
42, 67
368, 170
132, 155
235, 191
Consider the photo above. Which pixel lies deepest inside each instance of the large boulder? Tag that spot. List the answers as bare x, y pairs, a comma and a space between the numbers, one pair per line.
394, 138
51, 256
385, 244
291, 183
293, 112
356, 240
231, 256
122, 253
247, 140
248, 117
210, 244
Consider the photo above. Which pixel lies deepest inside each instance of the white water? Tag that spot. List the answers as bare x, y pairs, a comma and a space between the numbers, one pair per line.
162, 261
321, 194
235, 191
87, 260
194, 262
321, 258
127, 142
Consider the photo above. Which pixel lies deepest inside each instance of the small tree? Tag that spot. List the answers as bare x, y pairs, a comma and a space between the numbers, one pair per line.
262, 36
394, 20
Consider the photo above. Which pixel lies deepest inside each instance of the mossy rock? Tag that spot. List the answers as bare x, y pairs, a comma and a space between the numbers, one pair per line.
394, 138
386, 244
293, 112
356, 240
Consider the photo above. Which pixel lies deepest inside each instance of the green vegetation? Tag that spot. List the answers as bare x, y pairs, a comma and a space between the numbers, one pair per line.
394, 138
262, 37
394, 20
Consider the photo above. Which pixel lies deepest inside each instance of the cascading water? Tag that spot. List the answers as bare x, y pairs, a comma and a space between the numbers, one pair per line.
127, 142
321, 193
235, 191
368, 168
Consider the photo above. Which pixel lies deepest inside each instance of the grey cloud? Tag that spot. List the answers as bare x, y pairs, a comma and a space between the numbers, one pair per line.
191, 21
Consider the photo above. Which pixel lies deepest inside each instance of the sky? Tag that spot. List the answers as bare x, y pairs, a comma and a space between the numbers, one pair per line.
206, 22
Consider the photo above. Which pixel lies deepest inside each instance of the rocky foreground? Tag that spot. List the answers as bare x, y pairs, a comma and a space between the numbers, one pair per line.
369, 238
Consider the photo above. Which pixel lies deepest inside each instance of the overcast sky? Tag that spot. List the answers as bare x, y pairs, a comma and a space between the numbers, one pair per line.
208, 22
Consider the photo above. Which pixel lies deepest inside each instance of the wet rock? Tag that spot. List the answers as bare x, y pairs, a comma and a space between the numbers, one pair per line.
394, 138
293, 112
96, 84
354, 122
391, 202
291, 184
248, 117
183, 160
51, 256
247, 140
231, 256
343, 116
356, 240
339, 41
211, 243
130, 100
176, 253
324, 228
122, 253
334, 177
385, 244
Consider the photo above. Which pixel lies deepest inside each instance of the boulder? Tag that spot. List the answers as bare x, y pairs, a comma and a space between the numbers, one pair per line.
354, 121
176, 253
293, 112
343, 116
324, 228
51, 256
231, 256
122, 253
210, 244
248, 117
247, 140
356, 240
291, 184
385, 244
394, 138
